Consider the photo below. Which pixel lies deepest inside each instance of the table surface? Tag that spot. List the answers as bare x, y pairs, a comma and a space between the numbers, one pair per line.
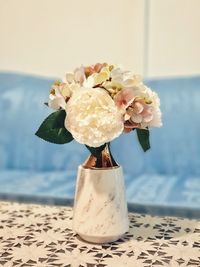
42, 236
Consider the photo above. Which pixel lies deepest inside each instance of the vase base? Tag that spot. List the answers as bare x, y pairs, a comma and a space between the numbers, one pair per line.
100, 239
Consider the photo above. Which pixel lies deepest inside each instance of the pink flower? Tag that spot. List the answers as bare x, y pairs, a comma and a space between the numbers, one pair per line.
89, 70
79, 75
124, 98
128, 126
140, 108
99, 66
139, 111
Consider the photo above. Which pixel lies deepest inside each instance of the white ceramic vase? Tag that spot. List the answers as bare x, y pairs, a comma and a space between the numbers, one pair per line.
100, 208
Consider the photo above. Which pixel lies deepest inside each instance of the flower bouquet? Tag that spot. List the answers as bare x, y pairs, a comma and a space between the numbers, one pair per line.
94, 105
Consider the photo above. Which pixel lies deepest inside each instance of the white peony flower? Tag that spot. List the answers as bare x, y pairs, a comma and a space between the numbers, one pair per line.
92, 117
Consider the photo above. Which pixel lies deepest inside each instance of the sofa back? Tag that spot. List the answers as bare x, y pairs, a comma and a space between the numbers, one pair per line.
21, 112
175, 146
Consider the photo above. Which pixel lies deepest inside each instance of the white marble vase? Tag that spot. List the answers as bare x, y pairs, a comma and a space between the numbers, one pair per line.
100, 208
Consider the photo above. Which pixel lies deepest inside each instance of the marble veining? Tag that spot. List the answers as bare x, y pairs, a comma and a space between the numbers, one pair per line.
100, 209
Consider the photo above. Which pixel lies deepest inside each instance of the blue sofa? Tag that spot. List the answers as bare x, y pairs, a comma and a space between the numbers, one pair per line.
165, 178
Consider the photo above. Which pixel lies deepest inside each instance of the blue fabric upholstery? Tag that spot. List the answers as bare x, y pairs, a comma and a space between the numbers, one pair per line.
21, 112
143, 189
168, 174
175, 146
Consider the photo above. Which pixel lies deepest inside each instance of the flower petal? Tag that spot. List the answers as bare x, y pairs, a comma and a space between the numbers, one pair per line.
137, 118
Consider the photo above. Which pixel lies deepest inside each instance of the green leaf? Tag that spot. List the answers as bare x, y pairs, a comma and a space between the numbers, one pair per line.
96, 151
143, 137
53, 130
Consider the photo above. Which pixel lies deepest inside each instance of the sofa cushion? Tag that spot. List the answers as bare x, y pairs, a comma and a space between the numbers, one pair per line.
171, 191
31, 183
164, 190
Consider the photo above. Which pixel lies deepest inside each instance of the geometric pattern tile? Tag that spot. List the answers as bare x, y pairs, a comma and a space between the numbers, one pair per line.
42, 236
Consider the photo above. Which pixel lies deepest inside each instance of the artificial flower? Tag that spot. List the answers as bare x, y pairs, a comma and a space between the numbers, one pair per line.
124, 98
79, 75
93, 117
98, 78
60, 94
89, 70
97, 103
125, 78
140, 106
56, 99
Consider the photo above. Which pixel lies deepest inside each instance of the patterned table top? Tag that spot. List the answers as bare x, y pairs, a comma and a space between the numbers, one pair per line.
42, 236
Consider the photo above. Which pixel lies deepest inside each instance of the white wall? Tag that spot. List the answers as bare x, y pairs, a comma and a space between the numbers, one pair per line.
49, 37
173, 46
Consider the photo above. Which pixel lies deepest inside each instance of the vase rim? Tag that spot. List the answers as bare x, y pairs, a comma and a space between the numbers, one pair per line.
101, 169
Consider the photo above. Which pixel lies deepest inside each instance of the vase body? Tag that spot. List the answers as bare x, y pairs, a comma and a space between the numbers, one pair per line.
100, 208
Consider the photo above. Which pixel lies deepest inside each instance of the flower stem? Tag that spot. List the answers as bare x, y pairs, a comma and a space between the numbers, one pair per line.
104, 160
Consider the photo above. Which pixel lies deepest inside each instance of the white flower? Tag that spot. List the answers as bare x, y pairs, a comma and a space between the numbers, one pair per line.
125, 78
97, 77
56, 99
69, 78
92, 117
60, 93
